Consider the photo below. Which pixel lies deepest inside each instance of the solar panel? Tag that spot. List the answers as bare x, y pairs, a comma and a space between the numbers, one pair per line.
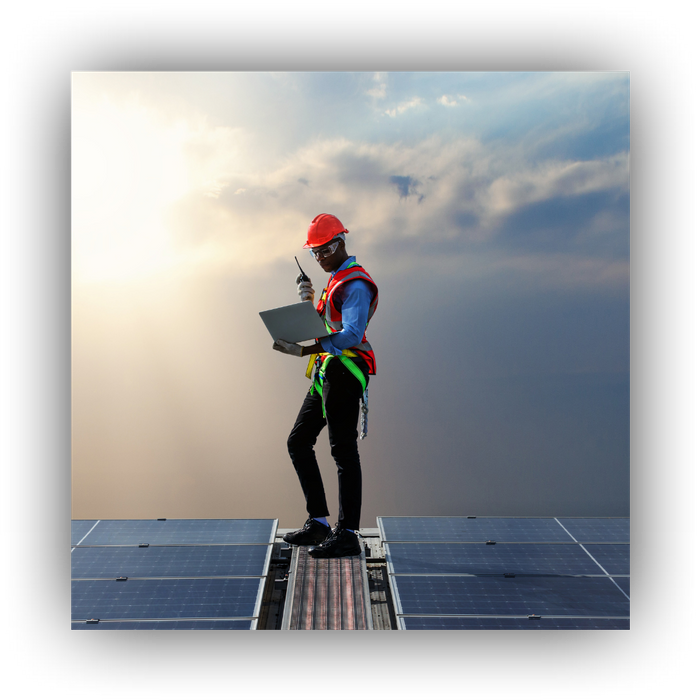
509, 623
115, 532
614, 558
165, 598
491, 573
598, 529
80, 528
165, 625
522, 595
208, 571
463, 558
164, 561
464, 529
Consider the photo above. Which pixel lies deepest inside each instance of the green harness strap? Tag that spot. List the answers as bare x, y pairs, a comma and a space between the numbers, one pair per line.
321, 374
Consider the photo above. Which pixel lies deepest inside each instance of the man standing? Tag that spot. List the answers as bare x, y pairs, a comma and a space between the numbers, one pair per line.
341, 364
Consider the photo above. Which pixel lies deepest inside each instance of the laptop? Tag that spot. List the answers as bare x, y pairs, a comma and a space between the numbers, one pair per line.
294, 323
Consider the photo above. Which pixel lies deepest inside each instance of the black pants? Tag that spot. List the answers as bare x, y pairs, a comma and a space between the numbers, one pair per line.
341, 394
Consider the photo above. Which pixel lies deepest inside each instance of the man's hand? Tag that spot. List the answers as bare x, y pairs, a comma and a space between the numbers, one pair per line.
288, 348
304, 289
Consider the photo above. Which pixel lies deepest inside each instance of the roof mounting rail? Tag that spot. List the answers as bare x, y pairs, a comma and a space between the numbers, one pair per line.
122, 578
490, 541
144, 544
534, 617
92, 621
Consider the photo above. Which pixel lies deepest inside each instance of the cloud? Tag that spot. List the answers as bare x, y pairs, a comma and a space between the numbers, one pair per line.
554, 179
462, 196
404, 106
475, 198
450, 101
378, 92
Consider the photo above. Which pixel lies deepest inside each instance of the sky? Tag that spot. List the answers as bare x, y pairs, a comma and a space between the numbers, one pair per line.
492, 210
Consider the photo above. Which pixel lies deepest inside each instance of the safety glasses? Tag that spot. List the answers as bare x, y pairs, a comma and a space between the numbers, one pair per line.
326, 251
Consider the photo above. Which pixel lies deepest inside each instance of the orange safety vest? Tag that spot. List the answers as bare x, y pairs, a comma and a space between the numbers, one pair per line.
333, 317
334, 324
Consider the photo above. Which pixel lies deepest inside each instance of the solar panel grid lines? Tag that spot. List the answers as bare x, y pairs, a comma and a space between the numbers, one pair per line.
459, 566
182, 573
540, 595
479, 558
164, 598
494, 622
181, 624
500, 529
164, 561
79, 531
594, 559
183, 531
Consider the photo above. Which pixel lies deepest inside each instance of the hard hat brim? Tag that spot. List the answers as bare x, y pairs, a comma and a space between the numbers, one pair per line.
318, 245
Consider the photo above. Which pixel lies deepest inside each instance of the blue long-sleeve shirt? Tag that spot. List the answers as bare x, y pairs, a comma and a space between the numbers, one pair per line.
352, 299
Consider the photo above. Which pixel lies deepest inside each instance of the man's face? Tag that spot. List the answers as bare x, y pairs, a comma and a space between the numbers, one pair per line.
331, 262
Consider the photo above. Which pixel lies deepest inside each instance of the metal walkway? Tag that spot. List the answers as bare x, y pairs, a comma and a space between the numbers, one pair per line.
327, 594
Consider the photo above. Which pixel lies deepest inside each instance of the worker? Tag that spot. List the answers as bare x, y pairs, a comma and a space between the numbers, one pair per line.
340, 365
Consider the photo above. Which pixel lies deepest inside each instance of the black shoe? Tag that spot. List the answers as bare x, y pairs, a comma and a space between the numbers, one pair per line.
313, 532
339, 543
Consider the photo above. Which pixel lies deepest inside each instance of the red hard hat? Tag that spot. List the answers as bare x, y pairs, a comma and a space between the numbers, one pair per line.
324, 228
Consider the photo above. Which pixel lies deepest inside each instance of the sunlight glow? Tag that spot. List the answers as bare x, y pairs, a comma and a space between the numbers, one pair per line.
127, 169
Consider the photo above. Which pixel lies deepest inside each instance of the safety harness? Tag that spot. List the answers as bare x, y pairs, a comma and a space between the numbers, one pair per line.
362, 352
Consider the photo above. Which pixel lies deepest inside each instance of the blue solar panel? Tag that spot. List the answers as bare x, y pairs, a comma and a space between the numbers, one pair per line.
166, 625
157, 561
501, 558
509, 623
443, 567
80, 528
522, 595
464, 529
614, 558
598, 529
165, 598
623, 582
181, 532
191, 569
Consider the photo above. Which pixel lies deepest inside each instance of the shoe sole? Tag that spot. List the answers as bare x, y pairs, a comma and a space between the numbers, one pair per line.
306, 544
314, 543
323, 555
